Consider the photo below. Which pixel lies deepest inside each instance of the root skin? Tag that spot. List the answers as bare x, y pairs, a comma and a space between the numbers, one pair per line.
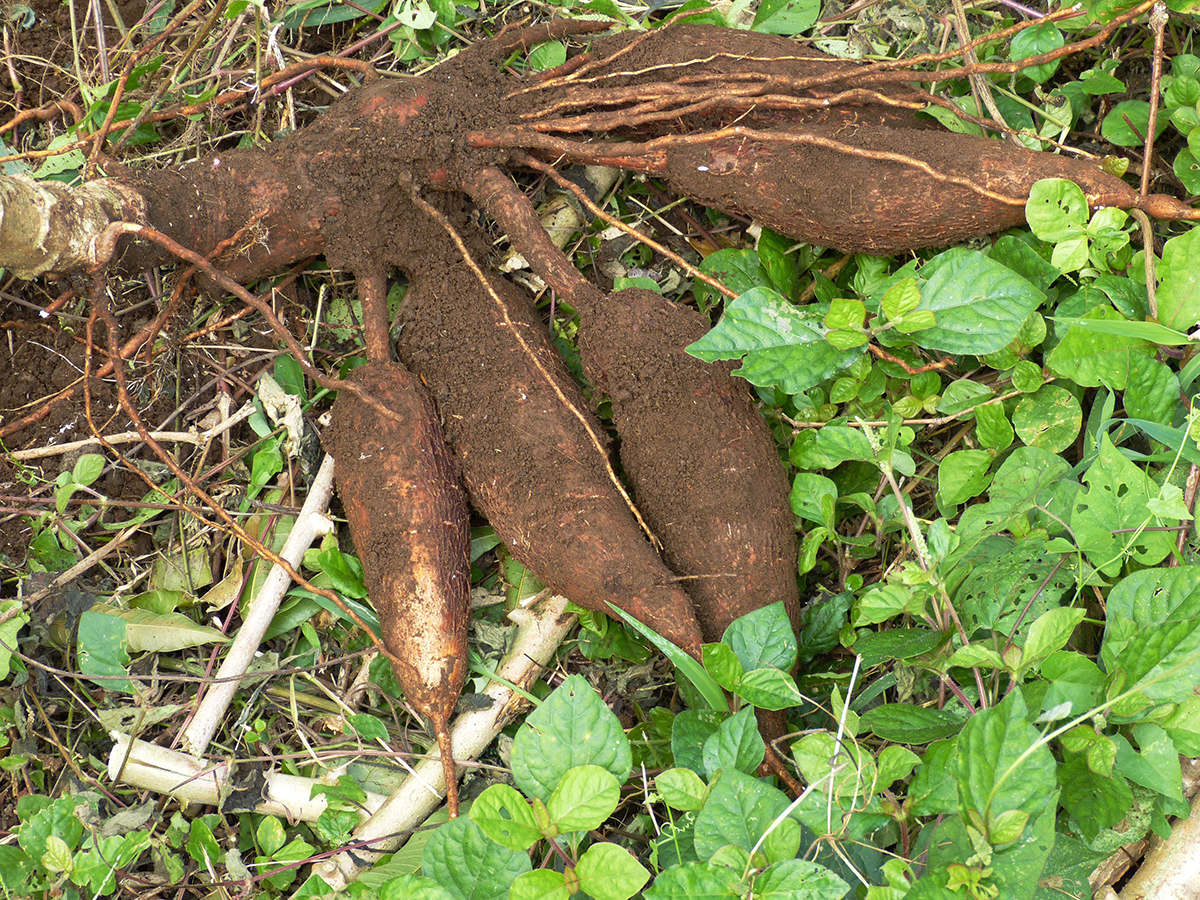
701, 461
528, 464
409, 520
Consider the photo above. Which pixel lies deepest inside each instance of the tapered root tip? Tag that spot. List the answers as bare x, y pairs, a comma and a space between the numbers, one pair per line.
1163, 207
442, 731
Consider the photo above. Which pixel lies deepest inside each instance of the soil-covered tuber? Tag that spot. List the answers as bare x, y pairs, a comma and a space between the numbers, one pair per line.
409, 521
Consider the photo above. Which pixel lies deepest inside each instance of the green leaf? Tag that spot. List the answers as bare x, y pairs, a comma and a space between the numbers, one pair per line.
739, 270
696, 881
270, 835
1127, 123
1049, 419
1056, 210
412, 887
736, 745
769, 689
997, 768
809, 491
151, 632
763, 638
505, 817
903, 723
980, 304
780, 344
1034, 41
1179, 281
101, 647
547, 55
962, 475
585, 797
1116, 500
992, 428
786, 17
689, 732
571, 728
1049, 632
608, 872
799, 879
1074, 679
723, 665
1091, 356
878, 647
1155, 765
1153, 391
846, 314
9, 629
540, 884
1161, 663
681, 789
465, 863
738, 811
854, 777
88, 468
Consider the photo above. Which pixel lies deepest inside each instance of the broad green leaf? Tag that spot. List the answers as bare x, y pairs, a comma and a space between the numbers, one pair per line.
160, 632
1049, 632
853, 773
1127, 123
681, 789
735, 745
1049, 419
102, 649
723, 665
904, 723
739, 270
1179, 281
182, 571
505, 817
786, 17
1153, 391
781, 345
412, 887
980, 304
1153, 596
571, 728
689, 732
1155, 765
763, 638
9, 629
540, 884
933, 790
696, 881
1161, 663
547, 55
1091, 357
1115, 501
584, 798
464, 862
738, 811
962, 475
992, 428
1056, 210
1032, 42
877, 647
1094, 801
827, 447
799, 879
769, 689
1074, 679
608, 872
995, 767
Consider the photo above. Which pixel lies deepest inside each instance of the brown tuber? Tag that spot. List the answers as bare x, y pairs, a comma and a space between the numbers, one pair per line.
408, 517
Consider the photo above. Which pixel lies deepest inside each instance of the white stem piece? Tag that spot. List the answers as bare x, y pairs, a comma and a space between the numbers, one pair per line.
542, 629
186, 778
310, 524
